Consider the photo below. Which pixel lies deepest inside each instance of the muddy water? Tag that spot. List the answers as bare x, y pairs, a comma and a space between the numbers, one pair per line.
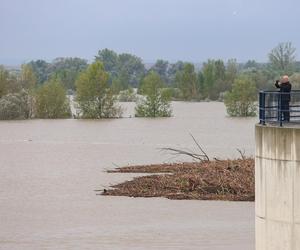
49, 170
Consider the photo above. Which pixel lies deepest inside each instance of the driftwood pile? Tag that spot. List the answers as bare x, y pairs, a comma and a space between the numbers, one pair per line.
205, 179
212, 180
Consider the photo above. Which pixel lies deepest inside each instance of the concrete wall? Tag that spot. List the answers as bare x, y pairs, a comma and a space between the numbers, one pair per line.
277, 188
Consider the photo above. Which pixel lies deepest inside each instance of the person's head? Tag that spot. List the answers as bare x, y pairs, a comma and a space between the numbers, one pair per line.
285, 79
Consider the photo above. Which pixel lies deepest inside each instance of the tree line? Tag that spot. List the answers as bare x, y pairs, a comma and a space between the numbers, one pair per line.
41, 89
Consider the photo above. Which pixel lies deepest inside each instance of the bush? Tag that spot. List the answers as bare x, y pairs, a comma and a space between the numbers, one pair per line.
15, 106
52, 102
240, 101
156, 100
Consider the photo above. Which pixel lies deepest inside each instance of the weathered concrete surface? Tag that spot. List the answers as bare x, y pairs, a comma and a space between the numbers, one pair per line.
277, 188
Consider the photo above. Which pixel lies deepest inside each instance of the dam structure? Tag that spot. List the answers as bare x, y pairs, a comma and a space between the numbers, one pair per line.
277, 173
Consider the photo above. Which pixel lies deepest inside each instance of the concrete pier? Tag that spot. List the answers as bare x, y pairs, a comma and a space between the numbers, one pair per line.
277, 188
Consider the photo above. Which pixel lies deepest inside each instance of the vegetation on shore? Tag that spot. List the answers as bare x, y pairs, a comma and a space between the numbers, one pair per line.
111, 77
231, 180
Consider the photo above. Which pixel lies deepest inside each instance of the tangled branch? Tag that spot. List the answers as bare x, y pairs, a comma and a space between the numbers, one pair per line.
202, 156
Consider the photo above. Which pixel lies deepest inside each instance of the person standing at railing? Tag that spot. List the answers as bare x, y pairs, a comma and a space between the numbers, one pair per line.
284, 97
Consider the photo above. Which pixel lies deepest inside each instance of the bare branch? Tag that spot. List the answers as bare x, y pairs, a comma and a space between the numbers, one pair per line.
202, 156
200, 147
183, 152
242, 153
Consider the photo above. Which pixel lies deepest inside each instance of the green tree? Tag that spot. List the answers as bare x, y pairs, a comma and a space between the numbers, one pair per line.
161, 68
130, 69
231, 71
156, 101
220, 85
261, 78
282, 58
42, 70
67, 70
28, 82
220, 70
251, 64
51, 101
8, 82
187, 82
125, 69
95, 98
110, 60
123, 79
117, 86
240, 101
209, 79
173, 69
28, 78
214, 83
4, 81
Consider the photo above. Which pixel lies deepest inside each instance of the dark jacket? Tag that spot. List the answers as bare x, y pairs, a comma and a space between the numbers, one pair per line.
285, 88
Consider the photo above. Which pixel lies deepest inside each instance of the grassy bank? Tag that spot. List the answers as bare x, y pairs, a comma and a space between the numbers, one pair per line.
231, 180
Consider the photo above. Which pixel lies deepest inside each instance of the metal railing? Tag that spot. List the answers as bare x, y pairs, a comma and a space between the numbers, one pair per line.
279, 107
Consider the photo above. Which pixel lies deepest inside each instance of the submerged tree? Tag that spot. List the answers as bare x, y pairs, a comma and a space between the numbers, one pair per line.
28, 82
51, 101
187, 82
94, 96
209, 77
16, 93
156, 99
15, 106
240, 101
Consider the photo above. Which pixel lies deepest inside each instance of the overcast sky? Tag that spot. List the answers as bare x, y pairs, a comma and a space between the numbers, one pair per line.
189, 30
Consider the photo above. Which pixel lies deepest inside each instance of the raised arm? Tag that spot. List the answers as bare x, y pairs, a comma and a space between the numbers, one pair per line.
277, 84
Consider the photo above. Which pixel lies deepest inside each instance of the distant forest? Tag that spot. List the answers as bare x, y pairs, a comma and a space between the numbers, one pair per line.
111, 74
207, 82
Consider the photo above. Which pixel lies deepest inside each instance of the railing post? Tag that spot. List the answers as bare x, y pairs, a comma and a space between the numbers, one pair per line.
262, 119
259, 107
280, 108
264, 107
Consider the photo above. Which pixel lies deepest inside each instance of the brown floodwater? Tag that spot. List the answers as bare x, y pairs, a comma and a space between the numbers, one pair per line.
49, 170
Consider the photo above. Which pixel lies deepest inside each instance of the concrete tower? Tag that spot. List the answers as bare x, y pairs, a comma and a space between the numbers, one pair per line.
277, 187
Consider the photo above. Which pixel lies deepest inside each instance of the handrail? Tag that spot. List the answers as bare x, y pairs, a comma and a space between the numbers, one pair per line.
279, 108
276, 91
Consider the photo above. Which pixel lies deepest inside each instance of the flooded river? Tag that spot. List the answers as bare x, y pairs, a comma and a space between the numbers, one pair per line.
49, 170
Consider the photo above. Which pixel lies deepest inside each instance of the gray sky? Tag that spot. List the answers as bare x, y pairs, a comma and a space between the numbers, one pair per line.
190, 30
